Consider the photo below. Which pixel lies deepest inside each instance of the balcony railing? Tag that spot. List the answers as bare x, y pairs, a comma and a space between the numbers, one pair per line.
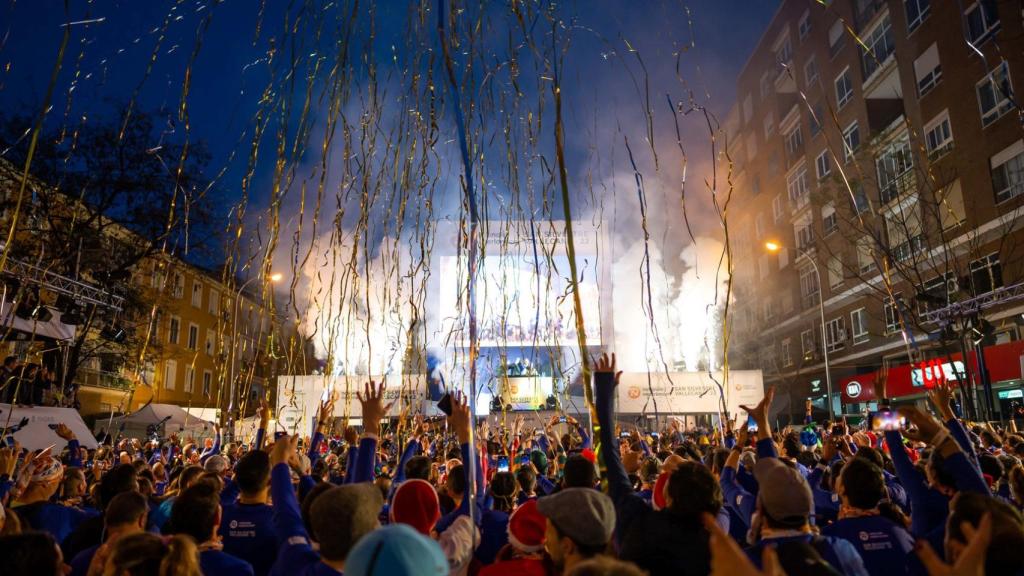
897, 186
102, 379
908, 249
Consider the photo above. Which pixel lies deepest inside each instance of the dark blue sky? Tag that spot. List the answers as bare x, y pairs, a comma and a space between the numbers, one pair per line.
108, 60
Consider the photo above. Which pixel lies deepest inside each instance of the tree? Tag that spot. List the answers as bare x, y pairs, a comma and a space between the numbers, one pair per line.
105, 198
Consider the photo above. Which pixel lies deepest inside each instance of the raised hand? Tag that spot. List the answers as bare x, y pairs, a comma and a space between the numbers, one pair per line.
8, 462
284, 451
264, 413
460, 420
374, 409
64, 432
941, 397
760, 414
928, 428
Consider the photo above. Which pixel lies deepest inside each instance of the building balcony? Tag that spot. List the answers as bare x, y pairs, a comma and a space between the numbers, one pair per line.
88, 377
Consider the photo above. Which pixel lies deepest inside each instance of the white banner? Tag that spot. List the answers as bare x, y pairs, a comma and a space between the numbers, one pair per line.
36, 434
687, 392
299, 397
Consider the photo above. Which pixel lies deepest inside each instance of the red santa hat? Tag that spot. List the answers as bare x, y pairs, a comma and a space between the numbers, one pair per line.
415, 503
526, 528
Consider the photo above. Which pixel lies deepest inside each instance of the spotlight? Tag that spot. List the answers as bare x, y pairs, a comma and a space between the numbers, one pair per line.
70, 312
551, 403
31, 308
114, 333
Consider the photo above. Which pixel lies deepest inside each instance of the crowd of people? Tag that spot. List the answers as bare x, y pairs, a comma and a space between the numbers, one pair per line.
941, 497
31, 384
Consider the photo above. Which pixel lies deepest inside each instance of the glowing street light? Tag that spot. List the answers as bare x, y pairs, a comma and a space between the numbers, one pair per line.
276, 277
774, 247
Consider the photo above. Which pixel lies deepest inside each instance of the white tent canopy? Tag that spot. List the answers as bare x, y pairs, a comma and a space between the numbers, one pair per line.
52, 328
37, 434
167, 418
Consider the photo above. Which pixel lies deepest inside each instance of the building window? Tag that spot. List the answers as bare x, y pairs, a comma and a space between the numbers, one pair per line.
982, 20
179, 286
777, 208
938, 135
769, 126
860, 199
865, 255
894, 171
766, 84
156, 278
173, 330
193, 337
829, 220
936, 294
815, 120
823, 165
851, 140
213, 306
859, 326
880, 47
769, 310
207, 382
994, 94
755, 187
844, 88
787, 302
808, 287
796, 186
892, 315
804, 235
928, 69
835, 38
748, 108
751, 146
835, 334
986, 274
795, 143
784, 52
787, 354
1008, 172
211, 339
917, 11
197, 294
804, 25
807, 345
170, 374
835, 272
811, 71
759, 226
906, 236
190, 378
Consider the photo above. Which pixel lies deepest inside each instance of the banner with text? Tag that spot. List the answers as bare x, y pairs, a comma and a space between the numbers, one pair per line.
687, 392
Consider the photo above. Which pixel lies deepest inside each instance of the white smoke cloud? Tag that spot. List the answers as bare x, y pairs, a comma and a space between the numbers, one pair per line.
685, 308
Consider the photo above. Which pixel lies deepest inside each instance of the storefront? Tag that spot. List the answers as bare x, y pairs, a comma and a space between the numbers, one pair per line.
906, 383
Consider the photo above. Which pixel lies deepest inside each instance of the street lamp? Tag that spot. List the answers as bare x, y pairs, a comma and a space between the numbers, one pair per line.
274, 278
774, 248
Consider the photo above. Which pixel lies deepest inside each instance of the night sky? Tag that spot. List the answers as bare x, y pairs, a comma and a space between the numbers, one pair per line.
627, 70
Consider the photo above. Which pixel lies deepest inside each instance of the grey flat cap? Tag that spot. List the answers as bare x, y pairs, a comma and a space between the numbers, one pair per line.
585, 515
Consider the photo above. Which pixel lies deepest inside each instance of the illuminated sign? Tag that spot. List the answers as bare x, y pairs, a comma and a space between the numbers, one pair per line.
815, 386
853, 389
1009, 394
932, 372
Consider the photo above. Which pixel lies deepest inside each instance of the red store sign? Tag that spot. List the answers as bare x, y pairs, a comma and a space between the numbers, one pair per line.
1003, 361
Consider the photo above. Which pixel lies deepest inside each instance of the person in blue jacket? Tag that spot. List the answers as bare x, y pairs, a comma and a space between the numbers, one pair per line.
197, 513
875, 527
247, 525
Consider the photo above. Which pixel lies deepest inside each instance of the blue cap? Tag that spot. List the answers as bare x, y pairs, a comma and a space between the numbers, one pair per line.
396, 550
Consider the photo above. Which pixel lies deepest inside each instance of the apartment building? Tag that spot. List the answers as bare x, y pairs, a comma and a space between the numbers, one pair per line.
188, 354
877, 165
162, 330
